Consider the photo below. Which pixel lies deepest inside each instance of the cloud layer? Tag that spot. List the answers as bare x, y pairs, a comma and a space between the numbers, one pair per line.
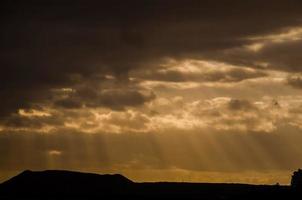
46, 46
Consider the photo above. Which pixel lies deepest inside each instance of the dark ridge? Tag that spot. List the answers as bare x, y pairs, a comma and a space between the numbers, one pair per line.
57, 184
52, 183
53, 176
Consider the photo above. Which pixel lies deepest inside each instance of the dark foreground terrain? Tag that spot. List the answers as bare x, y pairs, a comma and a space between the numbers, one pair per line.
75, 185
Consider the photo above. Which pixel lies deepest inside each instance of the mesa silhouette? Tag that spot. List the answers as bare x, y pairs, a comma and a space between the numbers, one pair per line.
54, 184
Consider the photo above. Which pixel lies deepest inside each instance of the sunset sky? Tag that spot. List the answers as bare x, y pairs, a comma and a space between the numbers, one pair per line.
158, 90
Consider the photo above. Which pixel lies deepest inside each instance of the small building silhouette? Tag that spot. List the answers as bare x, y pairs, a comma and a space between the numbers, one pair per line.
296, 181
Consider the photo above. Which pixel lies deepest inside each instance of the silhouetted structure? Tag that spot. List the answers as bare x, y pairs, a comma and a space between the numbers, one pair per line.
296, 181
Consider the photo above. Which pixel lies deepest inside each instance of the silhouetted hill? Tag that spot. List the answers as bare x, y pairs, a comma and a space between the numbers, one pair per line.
75, 185
55, 183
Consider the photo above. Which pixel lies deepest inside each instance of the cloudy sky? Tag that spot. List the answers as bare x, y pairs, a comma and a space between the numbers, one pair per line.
207, 90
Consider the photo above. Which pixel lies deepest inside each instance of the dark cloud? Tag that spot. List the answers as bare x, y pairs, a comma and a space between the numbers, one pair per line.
217, 75
16, 121
280, 55
240, 105
33, 122
44, 44
120, 98
110, 98
69, 103
295, 81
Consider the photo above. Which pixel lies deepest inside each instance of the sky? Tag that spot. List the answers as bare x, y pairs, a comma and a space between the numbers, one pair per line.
197, 91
